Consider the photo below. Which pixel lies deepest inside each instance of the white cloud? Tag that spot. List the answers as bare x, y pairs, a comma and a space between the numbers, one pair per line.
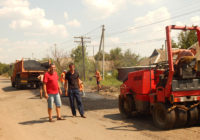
142, 2
103, 8
157, 30
23, 17
13, 50
195, 20
74, 23
114, 40
66, 16
15, 24
153, 16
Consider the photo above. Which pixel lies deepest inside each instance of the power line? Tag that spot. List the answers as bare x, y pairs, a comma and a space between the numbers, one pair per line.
91, 31
142, 26
126, 30
174, 12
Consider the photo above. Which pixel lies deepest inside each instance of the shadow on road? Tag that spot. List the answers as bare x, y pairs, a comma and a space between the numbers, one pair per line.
33, 122
93, 101
142, 122
41, 120
9, 89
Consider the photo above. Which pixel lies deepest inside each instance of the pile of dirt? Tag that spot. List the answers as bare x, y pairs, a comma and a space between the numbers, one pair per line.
35, 65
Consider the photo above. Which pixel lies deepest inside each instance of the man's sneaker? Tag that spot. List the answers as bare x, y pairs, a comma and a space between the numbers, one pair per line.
83, 116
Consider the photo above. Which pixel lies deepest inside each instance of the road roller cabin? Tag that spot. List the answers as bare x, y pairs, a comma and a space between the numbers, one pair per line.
170, 94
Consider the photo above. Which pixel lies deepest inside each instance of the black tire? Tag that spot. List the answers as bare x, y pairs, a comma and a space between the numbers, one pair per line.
162, 118
193, 116
199, 115
126, 106
181, 117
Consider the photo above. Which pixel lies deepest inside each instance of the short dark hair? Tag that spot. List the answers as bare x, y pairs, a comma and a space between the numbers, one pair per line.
51, 64
71, 64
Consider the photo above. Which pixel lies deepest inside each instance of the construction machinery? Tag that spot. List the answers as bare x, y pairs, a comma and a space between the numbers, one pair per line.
171, 94
26, 72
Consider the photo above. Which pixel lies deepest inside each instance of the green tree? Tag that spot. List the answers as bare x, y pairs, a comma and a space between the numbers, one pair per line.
116, 54
4, 68
174, 44
132, 58
77, 57
99, 56
126, 59
76, 54
187, 39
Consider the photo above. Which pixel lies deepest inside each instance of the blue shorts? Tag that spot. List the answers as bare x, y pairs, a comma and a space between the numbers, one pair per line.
54, 98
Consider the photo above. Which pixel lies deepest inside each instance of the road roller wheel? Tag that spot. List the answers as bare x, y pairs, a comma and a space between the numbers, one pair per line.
162, 118
181, 117
193, 116
126, 106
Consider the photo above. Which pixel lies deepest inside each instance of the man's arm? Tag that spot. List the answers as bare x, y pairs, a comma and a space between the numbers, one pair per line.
176, 52
60, 90
45, 91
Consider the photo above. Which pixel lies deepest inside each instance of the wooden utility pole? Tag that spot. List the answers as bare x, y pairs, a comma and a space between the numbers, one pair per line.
103, 61
82, 42
101, 45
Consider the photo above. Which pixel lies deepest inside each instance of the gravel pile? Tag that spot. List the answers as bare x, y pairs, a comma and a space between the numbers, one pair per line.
35, 65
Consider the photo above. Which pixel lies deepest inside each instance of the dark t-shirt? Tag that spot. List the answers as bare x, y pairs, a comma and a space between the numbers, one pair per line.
72, 80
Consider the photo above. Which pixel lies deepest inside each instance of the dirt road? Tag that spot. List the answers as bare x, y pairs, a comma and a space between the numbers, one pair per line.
24, 117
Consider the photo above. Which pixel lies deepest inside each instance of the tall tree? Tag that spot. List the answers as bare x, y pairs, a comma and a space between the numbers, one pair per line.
116, 54
174, 44
99, 56
187, 39
132, 58
77, 57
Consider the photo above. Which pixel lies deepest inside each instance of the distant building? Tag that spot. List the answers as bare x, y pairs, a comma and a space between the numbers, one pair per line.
158, 55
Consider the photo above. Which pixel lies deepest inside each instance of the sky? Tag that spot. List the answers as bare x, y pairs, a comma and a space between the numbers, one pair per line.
31, 28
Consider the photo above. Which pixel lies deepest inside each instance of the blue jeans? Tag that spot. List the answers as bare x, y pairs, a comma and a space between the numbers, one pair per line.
54, 98
75, 94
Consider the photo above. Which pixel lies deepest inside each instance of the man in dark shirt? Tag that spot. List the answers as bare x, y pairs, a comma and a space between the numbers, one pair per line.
72, 88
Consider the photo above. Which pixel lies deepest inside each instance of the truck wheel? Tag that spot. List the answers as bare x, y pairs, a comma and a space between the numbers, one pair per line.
126, 106
193, 116
181, 117
162, 118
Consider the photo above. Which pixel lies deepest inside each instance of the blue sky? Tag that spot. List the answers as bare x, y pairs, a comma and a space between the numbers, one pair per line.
31, 27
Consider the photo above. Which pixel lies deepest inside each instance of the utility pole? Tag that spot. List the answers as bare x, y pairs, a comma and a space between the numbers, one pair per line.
82, 42
103, 61
101, 45
93, 51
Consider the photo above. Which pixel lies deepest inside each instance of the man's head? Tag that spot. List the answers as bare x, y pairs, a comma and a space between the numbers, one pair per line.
193, 50
71, 67
52, 68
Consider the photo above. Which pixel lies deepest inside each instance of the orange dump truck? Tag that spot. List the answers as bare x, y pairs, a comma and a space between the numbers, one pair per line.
25, 73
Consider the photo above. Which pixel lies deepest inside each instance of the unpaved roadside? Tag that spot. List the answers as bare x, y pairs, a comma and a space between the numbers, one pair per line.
24, 117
